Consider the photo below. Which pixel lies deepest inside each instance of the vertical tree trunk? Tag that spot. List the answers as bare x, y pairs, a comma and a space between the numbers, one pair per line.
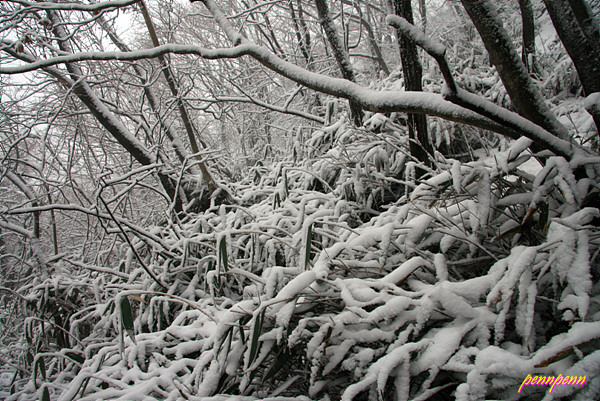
185, 118
584, 52
340, 54
525, 97
420, 145
300, 37
423, 12
528, 27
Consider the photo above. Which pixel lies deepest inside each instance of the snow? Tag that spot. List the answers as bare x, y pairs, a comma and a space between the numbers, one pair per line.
398, 294
456, 176
444, 343
432, 47
592, 103
404, 270
379, 371
370, 99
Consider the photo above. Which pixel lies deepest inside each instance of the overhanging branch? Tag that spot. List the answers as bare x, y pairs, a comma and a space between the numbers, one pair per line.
372, 100
104, 5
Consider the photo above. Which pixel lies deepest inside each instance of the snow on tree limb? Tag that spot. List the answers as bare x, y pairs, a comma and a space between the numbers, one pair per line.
477, 103
377, 101
524, 95
434, 48
505, 122
72, 6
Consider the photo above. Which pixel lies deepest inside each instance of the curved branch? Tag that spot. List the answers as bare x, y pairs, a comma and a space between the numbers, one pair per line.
370, 99
75, 6
468, 100
209, 54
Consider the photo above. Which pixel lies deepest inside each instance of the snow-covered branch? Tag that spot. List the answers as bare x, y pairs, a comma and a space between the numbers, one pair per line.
139, 231
72, 6
372, 100
210, 54
283, 110
434, 48
477, 103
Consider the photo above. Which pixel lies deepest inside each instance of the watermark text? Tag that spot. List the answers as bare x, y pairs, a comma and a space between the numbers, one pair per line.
552, 381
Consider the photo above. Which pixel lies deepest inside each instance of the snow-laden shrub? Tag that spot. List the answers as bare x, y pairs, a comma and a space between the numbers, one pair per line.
339, 277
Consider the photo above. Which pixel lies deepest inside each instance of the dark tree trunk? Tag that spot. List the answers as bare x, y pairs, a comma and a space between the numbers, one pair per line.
340, 54
420, 145
584, 49
585, 55
528, 27
525, 97
588, 24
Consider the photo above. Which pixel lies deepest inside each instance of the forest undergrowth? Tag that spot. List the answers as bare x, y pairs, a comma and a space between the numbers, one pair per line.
327, 264
336, 274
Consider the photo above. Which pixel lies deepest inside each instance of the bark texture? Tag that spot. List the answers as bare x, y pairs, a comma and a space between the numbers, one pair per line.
525, 97
576, 28
340, 54
420, 145
528, 28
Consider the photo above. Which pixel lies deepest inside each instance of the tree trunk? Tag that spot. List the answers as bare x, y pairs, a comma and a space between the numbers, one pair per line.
584, 52
525, 97
340, 54
528, 27
587, 22
302, 39
420, 146
105, 117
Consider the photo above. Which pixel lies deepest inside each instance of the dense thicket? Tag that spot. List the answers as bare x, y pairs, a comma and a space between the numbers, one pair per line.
252, 200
